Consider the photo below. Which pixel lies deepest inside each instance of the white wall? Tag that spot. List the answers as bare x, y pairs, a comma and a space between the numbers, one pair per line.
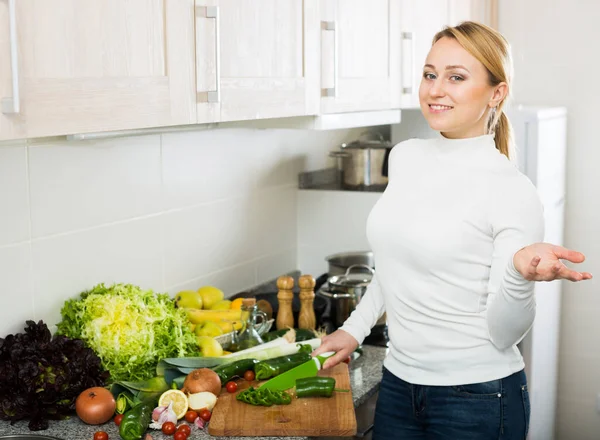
556, 63
166, 212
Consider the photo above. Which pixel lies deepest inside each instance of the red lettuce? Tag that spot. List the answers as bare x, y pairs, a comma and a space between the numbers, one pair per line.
41, 376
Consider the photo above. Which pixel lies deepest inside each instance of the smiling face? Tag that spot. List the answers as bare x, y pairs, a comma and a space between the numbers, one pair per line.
455, 93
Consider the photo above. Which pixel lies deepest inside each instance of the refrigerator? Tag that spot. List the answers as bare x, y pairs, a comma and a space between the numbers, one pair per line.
540, 135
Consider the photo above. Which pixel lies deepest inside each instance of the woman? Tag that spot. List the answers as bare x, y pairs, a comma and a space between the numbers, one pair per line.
457, 239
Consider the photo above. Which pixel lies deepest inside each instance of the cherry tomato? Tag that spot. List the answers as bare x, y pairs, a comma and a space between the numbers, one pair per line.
205, 415
249, 375
168, 428
118, 419
180, 435
231, 387
184, 428
191, 416
347, 360
100, 435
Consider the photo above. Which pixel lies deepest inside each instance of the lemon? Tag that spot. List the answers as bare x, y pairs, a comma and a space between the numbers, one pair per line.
179, 399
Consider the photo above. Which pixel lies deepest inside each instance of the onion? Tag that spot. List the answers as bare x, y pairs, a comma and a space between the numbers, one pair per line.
95, 406
199, 401
202, 379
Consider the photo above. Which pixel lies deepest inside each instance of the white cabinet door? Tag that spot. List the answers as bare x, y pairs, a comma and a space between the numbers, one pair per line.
359, 57
89, 65
420, 21
250, 59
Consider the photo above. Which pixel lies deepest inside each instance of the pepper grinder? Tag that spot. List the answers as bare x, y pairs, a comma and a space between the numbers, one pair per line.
306, 318
285, 317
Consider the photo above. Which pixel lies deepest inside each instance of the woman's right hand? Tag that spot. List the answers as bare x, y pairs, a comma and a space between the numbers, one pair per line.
343, 343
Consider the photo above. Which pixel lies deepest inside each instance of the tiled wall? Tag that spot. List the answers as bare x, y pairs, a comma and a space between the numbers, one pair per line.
166, 212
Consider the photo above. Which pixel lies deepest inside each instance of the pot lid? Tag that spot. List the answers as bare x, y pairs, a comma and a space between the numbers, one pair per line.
353, 278
368, 139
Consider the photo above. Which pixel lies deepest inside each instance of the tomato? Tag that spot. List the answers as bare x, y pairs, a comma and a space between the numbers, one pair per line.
118, 419
347, 360
180, 435
184, 428
249, 375
231, 387
191, 416
205, 415
100, 435
168, 428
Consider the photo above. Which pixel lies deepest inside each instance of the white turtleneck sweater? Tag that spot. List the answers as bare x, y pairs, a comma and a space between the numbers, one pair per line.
443, 235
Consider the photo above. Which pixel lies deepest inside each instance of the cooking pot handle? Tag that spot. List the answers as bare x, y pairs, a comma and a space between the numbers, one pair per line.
339, 154
369, 268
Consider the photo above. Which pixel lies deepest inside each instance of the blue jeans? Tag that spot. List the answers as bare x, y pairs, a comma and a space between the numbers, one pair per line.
495, 410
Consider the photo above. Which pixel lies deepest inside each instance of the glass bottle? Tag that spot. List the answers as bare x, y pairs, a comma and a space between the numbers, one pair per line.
249, 335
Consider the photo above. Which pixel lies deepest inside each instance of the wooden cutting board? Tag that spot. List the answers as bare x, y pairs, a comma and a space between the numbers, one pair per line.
309, 416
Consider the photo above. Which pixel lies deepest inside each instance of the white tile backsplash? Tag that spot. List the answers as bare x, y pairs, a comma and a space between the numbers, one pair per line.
77, 185
167, 212
64, 265
16, 292
204, 166
14, 198
207, 238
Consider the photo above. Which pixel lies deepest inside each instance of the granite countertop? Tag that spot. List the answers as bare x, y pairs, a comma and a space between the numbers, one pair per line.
365, 375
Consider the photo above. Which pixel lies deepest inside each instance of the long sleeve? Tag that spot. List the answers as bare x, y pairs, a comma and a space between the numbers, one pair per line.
511, 303
367, 312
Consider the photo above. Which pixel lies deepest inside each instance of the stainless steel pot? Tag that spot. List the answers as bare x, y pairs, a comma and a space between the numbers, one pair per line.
339, 263
345, 292
363, 162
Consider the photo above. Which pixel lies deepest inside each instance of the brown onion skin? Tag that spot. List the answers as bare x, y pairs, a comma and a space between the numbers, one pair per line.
202, 379
95, 406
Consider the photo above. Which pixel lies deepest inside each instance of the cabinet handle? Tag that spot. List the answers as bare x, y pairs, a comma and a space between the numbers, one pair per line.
13, 104
410, 37
332, 26
215, 95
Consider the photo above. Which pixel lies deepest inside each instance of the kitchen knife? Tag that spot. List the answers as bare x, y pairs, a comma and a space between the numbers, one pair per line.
287, 380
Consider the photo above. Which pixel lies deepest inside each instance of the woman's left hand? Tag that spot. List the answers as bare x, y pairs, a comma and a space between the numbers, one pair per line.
542, 262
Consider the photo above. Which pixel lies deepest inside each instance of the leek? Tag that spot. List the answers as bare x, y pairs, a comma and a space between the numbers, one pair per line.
172, 368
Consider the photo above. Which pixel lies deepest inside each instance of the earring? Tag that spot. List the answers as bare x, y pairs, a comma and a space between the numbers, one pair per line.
492, 121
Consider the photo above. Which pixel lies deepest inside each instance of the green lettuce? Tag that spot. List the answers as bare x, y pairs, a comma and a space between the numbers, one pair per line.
129, 328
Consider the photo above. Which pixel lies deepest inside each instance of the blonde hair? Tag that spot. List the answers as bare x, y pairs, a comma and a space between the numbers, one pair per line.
493, 51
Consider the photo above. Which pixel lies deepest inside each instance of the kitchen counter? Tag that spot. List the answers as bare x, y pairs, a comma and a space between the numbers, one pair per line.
365, 375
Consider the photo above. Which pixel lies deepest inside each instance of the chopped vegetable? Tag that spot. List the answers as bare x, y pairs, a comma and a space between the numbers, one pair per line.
264, 397
41, 376
129, 328
273, 367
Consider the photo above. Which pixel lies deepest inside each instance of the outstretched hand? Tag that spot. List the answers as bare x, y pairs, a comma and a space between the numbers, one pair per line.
542, 262
339, 341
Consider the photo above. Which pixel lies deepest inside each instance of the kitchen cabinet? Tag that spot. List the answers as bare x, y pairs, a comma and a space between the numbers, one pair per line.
256, 59
72, 66
420, 20
360, 55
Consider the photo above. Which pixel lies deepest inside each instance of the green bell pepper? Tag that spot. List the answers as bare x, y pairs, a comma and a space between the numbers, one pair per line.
264, 397
226, 372
137, 420
273, 367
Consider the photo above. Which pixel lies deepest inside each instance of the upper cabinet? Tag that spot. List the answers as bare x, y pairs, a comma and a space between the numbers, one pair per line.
420, 21
84, 65
360, 58
256, 59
